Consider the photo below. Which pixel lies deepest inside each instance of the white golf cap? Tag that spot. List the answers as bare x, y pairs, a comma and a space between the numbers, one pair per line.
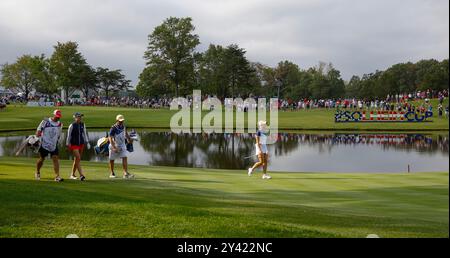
120, 118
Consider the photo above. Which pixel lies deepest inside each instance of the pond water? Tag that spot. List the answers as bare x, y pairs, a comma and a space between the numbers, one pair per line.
294, 152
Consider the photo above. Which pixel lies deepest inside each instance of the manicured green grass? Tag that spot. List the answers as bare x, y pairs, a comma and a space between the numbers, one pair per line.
28, 118
186, 202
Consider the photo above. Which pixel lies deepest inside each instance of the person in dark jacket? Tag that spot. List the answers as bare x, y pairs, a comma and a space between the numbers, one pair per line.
77, 139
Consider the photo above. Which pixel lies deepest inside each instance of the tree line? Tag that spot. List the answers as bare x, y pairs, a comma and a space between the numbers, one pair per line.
174, 68
65, 70
401, 78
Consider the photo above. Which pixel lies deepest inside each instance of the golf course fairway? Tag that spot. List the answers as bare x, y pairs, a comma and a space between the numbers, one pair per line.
190, 202
19, 117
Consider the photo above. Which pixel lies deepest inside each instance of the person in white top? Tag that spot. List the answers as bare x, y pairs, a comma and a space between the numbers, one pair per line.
49, 131
118, 136
261, 150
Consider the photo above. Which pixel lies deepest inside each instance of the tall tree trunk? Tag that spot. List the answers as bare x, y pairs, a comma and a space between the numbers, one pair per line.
66, 97
27, 92
232, 86
177, 82
86, 92
278, 94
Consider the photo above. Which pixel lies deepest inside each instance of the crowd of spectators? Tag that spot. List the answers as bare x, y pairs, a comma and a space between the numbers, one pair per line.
416, 101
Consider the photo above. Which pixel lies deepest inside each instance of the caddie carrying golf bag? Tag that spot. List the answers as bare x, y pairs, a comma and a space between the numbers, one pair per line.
32, 142
134, 137
102, 147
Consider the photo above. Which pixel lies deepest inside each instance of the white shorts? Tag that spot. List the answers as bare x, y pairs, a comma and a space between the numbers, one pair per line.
122, 153
262, 150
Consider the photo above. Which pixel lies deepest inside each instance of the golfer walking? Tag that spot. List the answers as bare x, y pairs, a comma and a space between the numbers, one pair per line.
49, 131
117, 147
261, 150
77, 139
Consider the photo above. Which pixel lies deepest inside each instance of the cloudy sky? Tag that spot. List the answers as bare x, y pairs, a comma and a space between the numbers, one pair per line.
357, 36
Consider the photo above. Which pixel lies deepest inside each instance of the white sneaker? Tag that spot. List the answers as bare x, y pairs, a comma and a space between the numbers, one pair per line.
37, 176
266, 176
128, 176
250, 171
112, 176
73, 177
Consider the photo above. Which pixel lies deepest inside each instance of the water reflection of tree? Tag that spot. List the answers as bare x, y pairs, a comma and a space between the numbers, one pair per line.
167, 148
219, 150
285, 144
209, 150
231, 148
289, 142
11, 144
228, 150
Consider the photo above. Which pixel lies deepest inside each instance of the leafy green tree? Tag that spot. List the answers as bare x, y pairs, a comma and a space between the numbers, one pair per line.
89, 80
369, 85
66, 64
431, 74
305, 86
444, 68
212, 71
45, 77
152, 83
270, 83
227, 72
28, 73
319, 86
266, 77
254, 82
325, 82
171, 52
239, 70
337, 85
402, 78
353, 87
111, 81
287, 79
